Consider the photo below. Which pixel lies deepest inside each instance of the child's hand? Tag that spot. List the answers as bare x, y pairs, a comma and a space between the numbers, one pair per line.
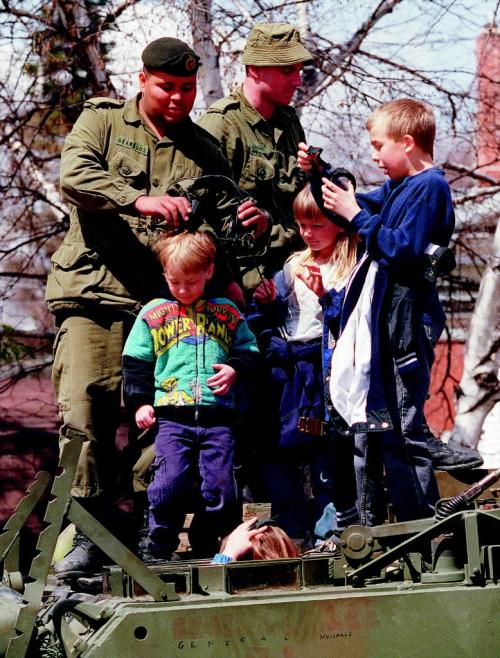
145, 417
238, 542
311, 276
343, 202
265, 293
223, 380
305, 160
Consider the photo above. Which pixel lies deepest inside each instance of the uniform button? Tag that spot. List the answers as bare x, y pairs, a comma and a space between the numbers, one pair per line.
261, 172
155, 182
372, 425
125, 170
385, 425
123, 199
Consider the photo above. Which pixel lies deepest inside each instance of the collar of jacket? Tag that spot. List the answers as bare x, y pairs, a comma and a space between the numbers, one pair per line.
251, 115
131, 110
132, 116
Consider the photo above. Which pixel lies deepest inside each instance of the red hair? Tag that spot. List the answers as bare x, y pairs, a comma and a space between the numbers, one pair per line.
270, 544
273, 543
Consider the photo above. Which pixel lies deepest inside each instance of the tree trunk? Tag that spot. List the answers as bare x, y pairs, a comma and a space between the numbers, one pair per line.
309, 72
73, 57
201, 28
479, 388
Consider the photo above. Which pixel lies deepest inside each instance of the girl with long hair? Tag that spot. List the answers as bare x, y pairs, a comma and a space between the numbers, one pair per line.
288, 320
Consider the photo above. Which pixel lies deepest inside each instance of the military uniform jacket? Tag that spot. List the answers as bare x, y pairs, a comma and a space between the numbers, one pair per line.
110, 158
262, 154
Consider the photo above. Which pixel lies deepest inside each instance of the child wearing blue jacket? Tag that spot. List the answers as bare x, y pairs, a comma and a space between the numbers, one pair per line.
391, 317
288, 320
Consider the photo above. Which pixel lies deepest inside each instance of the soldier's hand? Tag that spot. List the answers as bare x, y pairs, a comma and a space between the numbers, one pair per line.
173, 209
304, 160
265, 293
308, 157
145, 417
253, 218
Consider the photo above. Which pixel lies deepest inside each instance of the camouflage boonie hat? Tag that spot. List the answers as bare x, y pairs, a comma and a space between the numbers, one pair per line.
275, 44
171, 56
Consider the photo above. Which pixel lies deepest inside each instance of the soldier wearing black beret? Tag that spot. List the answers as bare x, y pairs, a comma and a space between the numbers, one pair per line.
171, 56
117, 168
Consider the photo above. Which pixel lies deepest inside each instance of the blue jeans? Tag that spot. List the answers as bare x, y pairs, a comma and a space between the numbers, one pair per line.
330, 483
188, 455
402, 452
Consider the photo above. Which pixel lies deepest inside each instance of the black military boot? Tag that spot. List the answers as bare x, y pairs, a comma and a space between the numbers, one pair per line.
147, 554
445, 458
83, 559
144, 548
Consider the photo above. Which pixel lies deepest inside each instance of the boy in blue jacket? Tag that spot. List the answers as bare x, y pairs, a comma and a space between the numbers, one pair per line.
391, 316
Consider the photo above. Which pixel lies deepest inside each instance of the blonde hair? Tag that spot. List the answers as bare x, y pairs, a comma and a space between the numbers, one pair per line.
190, 252
344, 253
406, 116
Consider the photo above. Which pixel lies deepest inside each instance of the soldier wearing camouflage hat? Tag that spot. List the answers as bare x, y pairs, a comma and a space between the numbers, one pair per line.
117, 166
260, 133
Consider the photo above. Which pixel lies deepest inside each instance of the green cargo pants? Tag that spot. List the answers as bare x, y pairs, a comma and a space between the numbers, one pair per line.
87, 378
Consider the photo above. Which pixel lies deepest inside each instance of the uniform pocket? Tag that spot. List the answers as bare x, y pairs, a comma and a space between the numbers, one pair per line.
256, 170
60, 370
71, 255
160, 483
126, 167
77, 271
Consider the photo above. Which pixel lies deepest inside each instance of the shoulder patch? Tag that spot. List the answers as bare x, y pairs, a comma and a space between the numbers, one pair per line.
204, 134
104, 102
223, 105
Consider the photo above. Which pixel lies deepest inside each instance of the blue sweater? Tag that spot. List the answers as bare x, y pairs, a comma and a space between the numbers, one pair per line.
401, 218
397, 223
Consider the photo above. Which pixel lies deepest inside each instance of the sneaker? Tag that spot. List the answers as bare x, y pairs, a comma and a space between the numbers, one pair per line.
83, 559
445, 458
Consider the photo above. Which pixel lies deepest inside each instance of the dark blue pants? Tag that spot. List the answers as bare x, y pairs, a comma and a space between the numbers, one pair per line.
401, 453
330, 481
188, 455
298, 391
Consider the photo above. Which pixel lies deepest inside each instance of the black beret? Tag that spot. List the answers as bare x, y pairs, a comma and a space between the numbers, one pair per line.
171, 56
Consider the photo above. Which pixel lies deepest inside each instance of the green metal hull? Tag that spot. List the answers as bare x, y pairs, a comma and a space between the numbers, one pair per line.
444, 622
420, 589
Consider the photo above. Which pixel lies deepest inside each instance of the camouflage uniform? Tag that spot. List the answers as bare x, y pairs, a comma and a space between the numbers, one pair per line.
262, 155
104, 269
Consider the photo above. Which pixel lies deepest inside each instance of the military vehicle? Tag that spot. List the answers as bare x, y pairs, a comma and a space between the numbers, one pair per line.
423, 588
